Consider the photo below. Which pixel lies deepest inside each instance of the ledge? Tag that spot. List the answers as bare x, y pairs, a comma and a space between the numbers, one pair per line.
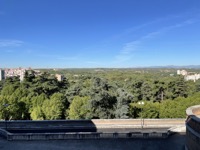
193, 110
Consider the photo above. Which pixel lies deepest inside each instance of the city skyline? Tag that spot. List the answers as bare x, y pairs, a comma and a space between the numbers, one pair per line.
99, 34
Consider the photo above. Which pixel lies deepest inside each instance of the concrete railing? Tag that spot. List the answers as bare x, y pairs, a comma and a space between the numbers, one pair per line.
94, 123
56, 129
137, 123
193, 128
84, 135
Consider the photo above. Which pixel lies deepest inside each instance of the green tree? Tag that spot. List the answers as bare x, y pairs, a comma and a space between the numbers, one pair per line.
178, 88
37, 113
102, 105
122, 106
159, 90
79, 108
146, 91
150, 110
53, 108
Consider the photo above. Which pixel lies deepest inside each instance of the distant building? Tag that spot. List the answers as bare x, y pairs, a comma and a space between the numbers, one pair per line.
21, 75
14, 72
192, 77
59, 77
178, 72
182, 72
189, 75
2, 74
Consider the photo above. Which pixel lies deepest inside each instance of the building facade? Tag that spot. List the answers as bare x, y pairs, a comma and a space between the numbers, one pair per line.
182, 72
192, 77
188, 75
59, 77
2, 74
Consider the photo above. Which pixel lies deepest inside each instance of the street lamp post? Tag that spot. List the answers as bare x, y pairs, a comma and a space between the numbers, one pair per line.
142, 120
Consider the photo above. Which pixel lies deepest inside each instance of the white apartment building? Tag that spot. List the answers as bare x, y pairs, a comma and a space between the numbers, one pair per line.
182, 72
192, 77
189, 75
15, 72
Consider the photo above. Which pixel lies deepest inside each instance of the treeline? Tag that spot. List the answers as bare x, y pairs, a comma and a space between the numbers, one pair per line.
93, 95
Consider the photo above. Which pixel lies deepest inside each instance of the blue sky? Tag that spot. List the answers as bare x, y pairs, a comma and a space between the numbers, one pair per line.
99, 33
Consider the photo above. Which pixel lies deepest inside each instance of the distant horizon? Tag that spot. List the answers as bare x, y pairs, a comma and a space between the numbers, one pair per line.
137, 67
99, 34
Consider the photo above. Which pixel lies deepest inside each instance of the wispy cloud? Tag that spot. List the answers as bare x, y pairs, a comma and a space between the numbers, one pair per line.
125, 53
11, 43
168, 28
127, 50
129, 47
147, 24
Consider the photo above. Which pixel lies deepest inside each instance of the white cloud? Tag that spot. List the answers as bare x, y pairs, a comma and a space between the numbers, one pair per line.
127, 51
147, 24
178, 25
11, 43
168, 28
130, 47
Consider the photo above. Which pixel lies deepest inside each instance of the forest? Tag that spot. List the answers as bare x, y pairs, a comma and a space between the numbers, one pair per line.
97, 94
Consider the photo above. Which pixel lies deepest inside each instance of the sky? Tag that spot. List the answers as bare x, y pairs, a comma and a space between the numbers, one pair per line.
99, 33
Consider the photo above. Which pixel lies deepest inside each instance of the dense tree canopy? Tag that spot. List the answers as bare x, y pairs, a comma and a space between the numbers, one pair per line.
103, 93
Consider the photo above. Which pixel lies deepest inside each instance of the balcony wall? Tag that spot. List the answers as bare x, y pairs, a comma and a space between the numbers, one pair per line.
193, 128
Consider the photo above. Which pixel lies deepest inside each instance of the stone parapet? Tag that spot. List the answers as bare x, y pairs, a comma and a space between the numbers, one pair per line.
193, 128
94, 123
82, 135
89, 129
